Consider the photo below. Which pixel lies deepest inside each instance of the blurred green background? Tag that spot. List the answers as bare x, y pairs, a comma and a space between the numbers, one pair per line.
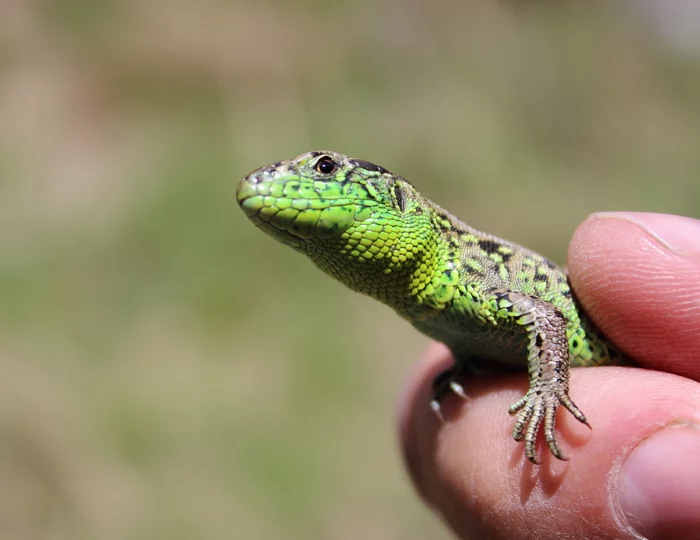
168, 372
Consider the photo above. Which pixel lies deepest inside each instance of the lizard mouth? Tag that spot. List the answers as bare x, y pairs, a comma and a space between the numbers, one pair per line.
292, 211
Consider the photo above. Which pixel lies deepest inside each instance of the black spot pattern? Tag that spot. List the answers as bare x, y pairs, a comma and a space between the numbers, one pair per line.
368, 166
489, 246
399, 198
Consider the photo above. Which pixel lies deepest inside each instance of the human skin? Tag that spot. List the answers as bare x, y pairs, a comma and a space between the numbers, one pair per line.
637, 472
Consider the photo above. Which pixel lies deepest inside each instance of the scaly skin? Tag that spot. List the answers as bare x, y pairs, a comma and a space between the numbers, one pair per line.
492, 302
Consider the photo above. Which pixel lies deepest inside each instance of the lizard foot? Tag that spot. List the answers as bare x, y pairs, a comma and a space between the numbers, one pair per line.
445, 383
548, 369
535, 407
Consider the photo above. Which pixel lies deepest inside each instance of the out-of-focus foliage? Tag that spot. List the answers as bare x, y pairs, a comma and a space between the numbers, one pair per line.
169, 372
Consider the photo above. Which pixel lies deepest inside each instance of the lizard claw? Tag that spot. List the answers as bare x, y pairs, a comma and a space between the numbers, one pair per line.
457, 389
435, 407
535, 408
443, 384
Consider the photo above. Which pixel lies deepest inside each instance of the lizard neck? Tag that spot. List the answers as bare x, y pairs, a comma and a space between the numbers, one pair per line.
410, 270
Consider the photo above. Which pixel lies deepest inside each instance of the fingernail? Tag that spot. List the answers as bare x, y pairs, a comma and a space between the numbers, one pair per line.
659, 486
677, 233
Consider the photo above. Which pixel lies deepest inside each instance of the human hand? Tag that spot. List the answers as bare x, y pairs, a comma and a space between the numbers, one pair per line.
638, 277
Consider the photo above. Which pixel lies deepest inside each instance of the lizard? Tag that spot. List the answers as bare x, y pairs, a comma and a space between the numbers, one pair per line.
494, 303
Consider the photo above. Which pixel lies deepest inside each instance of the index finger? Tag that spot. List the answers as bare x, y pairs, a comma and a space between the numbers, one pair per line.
637, 276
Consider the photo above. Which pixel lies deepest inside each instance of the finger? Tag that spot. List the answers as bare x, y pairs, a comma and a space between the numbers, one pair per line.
471, 471
638, 277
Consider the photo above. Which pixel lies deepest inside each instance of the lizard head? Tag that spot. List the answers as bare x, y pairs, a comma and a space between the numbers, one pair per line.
357, 221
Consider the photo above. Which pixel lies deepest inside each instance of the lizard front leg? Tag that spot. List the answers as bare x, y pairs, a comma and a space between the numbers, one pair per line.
548, 368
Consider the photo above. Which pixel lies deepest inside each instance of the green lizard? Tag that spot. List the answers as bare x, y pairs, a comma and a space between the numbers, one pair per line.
492, 302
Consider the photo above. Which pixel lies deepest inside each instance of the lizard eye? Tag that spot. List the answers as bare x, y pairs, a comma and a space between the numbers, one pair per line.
326, 165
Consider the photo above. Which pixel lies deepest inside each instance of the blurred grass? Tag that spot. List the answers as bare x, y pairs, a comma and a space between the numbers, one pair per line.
168, 372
